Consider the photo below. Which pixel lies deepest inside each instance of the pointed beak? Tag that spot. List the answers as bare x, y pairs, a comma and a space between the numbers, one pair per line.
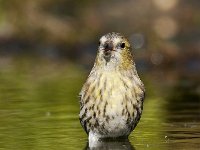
108, 46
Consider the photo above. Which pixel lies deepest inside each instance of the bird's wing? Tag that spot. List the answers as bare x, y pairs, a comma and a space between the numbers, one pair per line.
80, 99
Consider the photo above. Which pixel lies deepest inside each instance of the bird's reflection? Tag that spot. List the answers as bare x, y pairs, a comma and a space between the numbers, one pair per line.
110, 144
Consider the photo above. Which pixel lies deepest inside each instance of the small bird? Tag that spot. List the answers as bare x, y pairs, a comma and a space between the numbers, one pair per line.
111, 100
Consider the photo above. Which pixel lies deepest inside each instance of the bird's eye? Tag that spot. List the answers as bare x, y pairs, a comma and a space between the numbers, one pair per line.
99, 43
122, 45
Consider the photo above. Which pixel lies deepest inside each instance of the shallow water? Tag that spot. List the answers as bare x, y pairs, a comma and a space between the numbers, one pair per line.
39, 110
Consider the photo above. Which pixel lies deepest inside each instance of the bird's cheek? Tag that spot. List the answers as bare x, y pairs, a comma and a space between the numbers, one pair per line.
101, 56
116, 55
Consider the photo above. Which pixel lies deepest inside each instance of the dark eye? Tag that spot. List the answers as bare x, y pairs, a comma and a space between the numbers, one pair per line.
99, 43
122, 45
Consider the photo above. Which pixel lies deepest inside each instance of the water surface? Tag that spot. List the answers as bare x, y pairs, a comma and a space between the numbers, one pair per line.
39, 110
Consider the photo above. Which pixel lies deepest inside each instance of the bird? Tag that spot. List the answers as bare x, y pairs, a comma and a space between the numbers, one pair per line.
111, 99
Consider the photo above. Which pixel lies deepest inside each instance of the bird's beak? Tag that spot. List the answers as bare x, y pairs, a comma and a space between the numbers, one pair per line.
108, 47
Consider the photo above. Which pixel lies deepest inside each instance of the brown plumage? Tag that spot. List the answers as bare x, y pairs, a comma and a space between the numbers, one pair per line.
111, 100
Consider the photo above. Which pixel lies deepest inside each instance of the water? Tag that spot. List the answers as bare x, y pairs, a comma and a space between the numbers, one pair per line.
39, 110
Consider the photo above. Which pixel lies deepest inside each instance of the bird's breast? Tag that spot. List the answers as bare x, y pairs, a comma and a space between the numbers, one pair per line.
110, 103
112, 94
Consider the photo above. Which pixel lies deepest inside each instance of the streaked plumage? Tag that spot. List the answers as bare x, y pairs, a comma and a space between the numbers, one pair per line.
111, 100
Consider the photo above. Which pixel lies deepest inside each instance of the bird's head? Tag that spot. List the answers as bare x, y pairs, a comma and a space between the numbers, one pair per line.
114, 52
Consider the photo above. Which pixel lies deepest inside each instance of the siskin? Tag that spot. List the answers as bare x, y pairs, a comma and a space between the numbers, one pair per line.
111, 100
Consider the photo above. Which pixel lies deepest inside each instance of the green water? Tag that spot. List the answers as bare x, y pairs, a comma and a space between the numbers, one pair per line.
39, 111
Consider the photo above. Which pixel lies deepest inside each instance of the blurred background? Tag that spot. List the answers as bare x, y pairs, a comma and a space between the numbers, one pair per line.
47, 49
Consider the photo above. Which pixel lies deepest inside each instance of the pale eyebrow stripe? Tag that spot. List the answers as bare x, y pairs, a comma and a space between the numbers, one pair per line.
116, 40
103, 39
